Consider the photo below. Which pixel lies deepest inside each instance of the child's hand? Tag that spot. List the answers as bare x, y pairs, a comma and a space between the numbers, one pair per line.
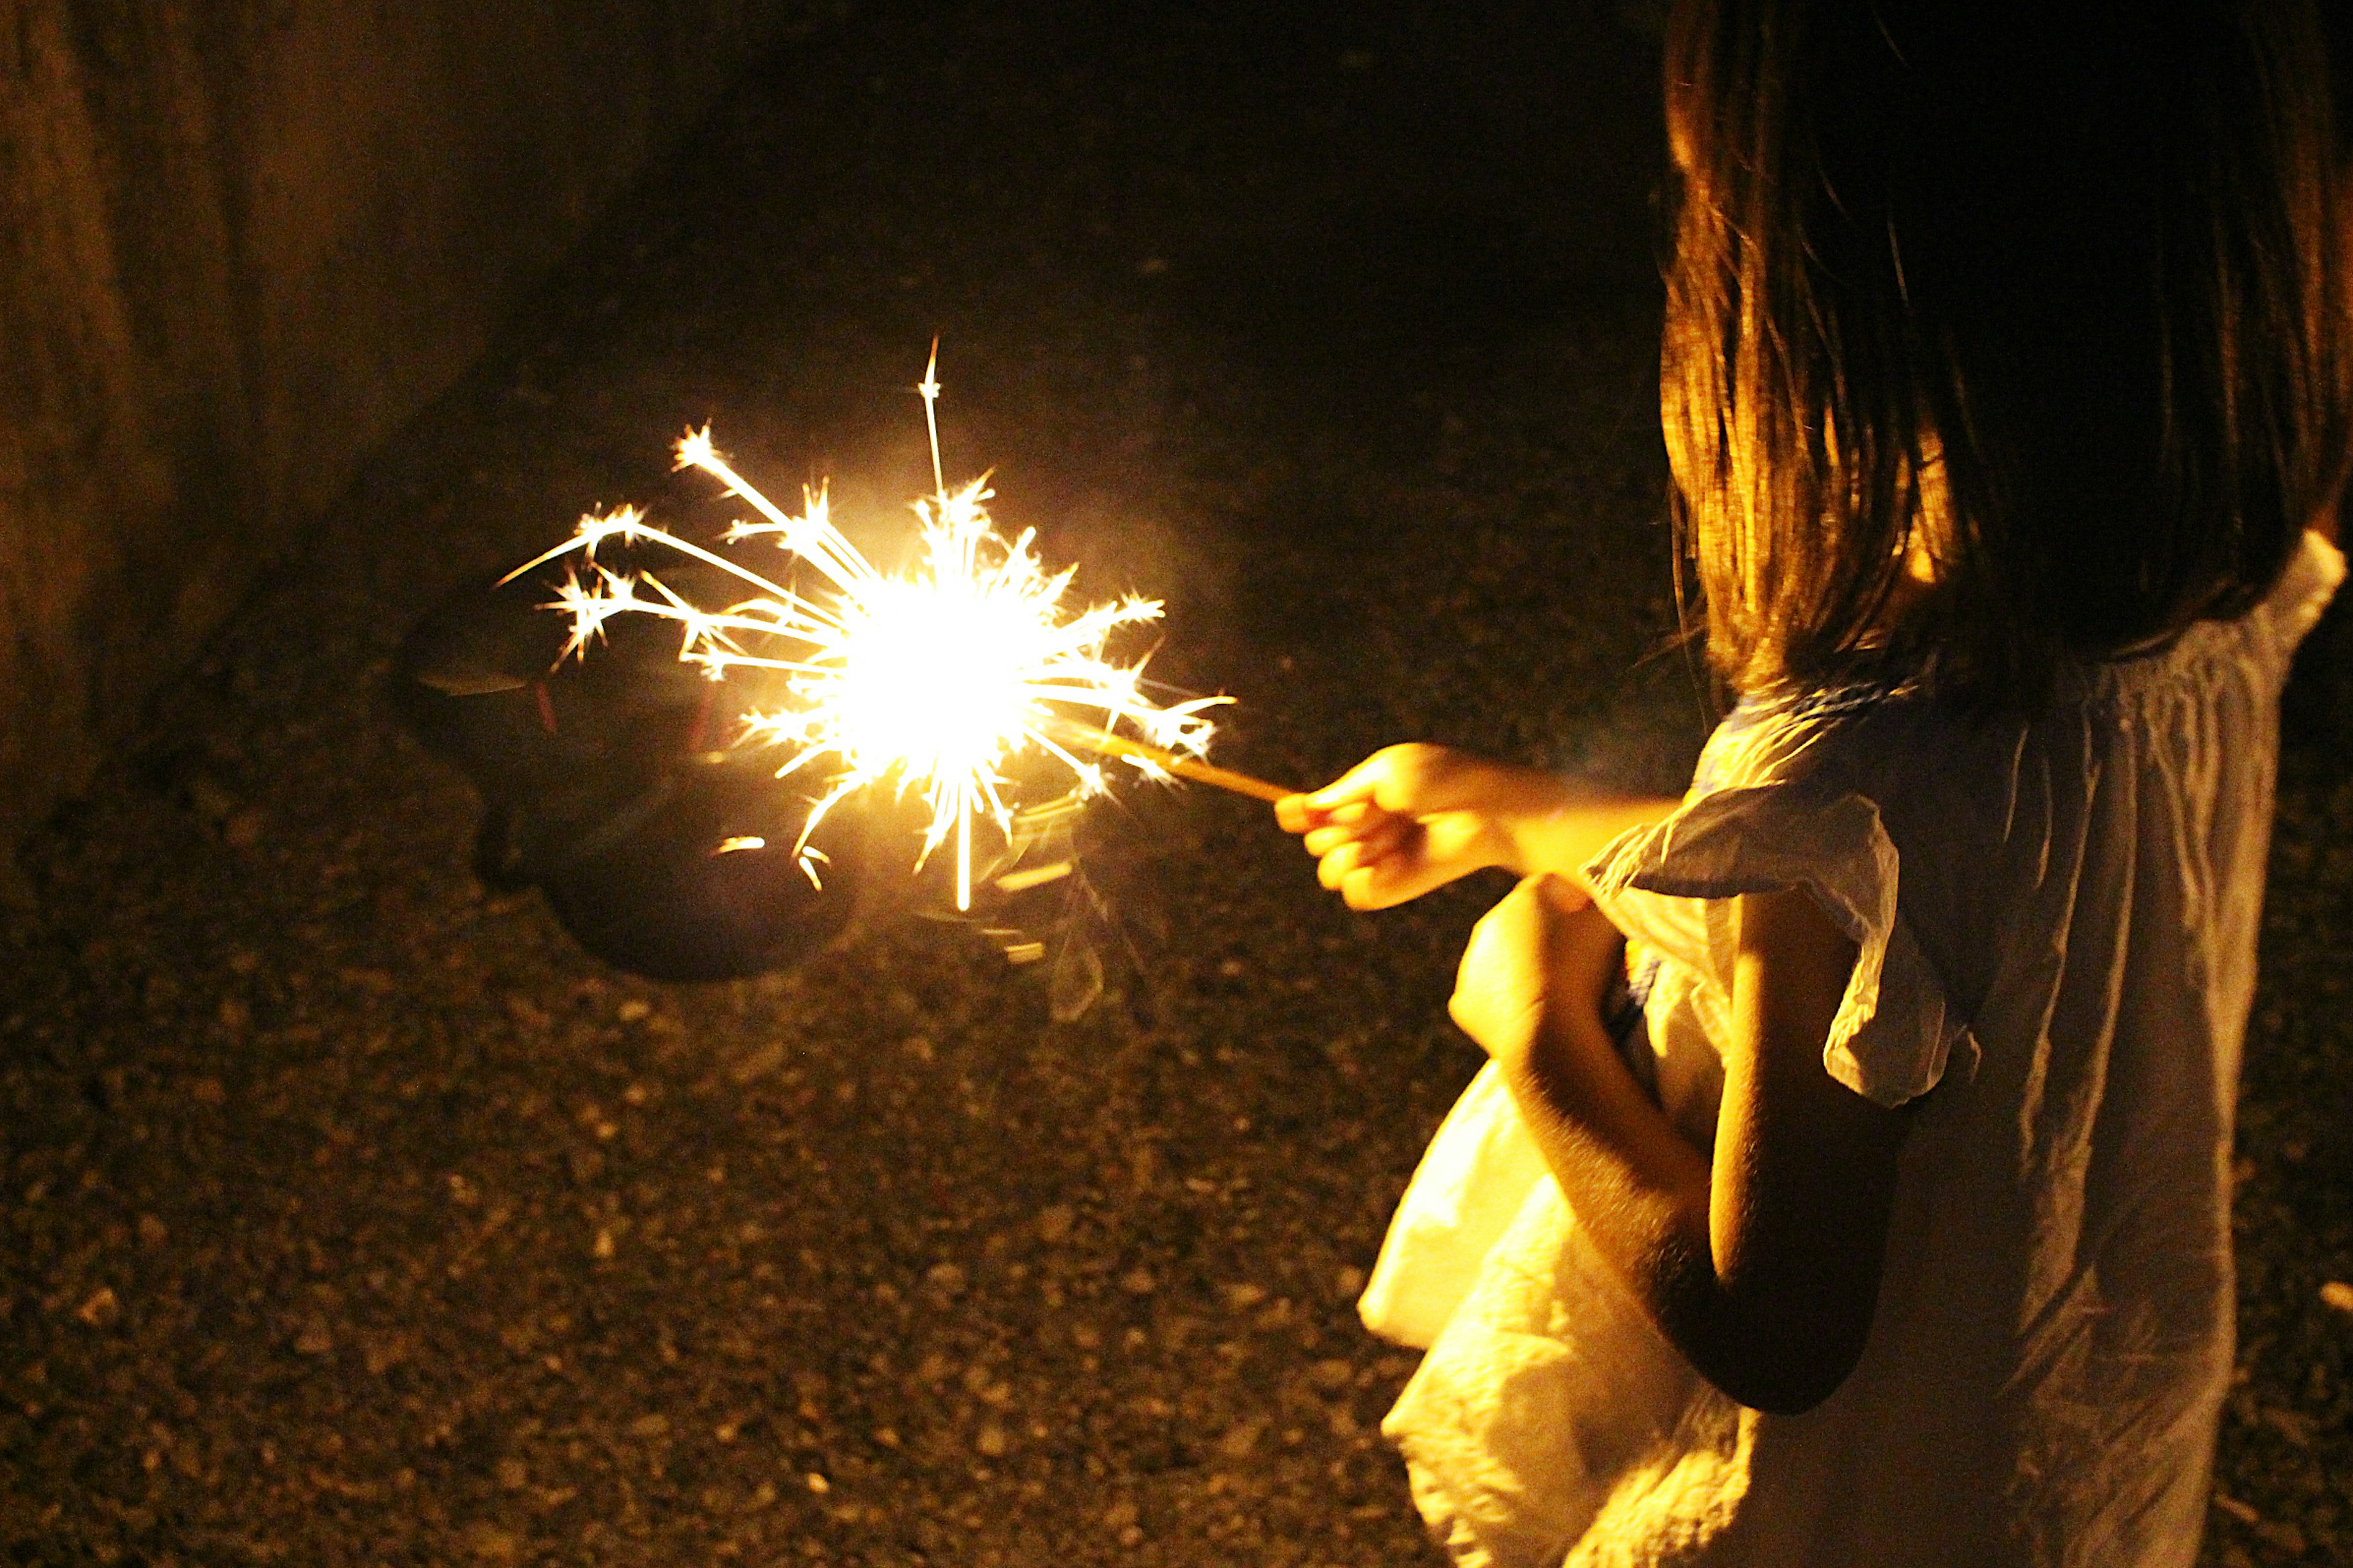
1535, 971
1405, 820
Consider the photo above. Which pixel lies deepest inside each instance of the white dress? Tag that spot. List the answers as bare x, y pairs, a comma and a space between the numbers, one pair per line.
2057, 923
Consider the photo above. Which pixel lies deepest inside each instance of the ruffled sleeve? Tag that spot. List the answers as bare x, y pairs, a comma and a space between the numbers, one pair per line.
1669, 888
2295, 604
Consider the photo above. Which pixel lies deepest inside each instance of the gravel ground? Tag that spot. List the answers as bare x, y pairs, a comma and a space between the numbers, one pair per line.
353, 1215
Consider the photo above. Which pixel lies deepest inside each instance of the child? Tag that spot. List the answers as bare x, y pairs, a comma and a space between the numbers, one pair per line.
2007, 375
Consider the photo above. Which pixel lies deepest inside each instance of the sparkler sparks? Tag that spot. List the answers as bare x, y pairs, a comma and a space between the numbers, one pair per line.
935, 680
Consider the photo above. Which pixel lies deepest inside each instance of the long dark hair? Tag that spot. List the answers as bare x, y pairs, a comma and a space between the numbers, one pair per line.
2079, 273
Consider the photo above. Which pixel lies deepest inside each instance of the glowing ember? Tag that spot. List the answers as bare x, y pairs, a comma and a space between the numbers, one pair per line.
935, 680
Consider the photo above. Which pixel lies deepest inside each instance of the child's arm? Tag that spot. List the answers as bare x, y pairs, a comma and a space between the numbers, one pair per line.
1762, 1265
1410, 818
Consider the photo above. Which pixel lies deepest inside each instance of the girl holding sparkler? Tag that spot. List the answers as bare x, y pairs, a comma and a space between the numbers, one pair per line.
2006, 380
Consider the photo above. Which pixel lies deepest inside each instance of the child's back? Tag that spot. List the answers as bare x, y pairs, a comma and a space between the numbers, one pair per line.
2052, 1340
2008, 355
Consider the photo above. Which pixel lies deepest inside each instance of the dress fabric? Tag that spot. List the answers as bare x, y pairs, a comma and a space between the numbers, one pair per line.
2057, 923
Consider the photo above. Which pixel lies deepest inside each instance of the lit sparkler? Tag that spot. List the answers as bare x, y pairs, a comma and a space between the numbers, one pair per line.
935, 680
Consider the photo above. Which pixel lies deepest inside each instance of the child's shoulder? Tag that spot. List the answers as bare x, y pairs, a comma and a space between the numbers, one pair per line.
1809, 738
1794, 736
2234, 668
1941, 779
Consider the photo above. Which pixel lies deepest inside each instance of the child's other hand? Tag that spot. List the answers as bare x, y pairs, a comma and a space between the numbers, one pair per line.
1537, 965
1403, 821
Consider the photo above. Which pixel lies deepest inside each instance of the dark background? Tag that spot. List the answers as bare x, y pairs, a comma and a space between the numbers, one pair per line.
353, 1213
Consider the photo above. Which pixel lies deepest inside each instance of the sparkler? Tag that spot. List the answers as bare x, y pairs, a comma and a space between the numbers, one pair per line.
936, 679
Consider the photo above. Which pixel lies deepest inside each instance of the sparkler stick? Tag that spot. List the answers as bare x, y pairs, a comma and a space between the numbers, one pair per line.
931, 391
1103, 744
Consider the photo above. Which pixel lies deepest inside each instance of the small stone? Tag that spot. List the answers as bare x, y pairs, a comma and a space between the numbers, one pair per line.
603, 1245
1054, 1223
2337, 1293
100, 1307
757, 1063
1240, 1438
381, 1352
1138, 1281
1120, 1515
991, 1442
153, 1232
210, 799
1331, 1374
492, 1545
817, 1483
2292, 1424
654, 1426
633, 1011
1348, 1281
947, 1279
1241, 1297
2283, 1536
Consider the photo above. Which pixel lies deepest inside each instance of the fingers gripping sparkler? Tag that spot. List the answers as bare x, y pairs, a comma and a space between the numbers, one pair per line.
935, 680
